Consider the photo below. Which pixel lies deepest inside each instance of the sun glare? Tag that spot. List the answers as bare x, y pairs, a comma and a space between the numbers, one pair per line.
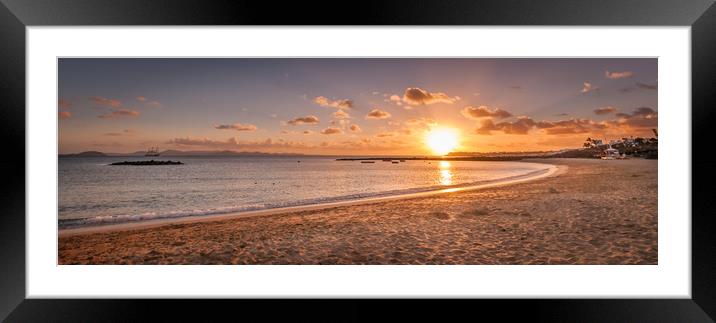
442, 141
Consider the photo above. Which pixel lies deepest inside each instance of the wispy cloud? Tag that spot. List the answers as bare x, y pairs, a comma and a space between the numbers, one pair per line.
233, 144
125, 132
303, 120
645, 86
588, 87
484, 112
64, 103
116, 113
64, 115
618, 75
605, 110
154, 104
105, 102
237, 127
422, 123
331, 131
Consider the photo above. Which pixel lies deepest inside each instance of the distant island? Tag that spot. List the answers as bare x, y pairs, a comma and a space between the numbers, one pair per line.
592, 148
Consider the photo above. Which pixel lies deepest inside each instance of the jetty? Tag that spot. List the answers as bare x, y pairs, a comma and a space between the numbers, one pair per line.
147, 163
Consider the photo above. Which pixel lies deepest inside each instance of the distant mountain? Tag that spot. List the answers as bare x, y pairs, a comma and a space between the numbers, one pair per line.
86, 154
178, 153
222, 153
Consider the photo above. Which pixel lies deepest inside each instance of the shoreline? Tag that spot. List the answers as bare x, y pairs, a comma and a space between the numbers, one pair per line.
552, 170
597, 212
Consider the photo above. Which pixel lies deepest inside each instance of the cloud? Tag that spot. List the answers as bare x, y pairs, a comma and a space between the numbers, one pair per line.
422, 123
148, 102
523, 125
588, 87
386, 134
154, 104
605, 110
483, 112
644, 111
303, 120
418, 96
516, 87
644, 86
355, 128
64, 103
340, 104
377, 114
639, 86
519, 127
237, 127
116, 113
64, 115
331, 131
341, 114
628, 89
343, 123
101, 101
113, 144
307, 132
642, 117
125, 132
618, 75
233, 144
396, 99
571, 126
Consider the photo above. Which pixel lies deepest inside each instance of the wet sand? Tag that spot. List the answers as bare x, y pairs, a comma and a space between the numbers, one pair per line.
595, 212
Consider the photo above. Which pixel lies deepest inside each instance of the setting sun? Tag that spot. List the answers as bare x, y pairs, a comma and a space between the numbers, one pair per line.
442, 141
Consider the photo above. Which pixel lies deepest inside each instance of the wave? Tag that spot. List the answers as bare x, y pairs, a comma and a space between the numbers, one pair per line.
116, 219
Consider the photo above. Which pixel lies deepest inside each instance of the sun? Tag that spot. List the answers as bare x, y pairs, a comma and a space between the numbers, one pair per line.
442, 141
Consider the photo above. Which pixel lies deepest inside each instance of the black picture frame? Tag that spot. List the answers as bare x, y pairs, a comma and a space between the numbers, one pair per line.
16, 15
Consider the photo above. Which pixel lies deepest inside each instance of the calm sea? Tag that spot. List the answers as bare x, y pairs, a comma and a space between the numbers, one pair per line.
92, 192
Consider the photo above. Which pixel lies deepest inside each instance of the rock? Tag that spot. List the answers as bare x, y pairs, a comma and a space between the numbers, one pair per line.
147, 163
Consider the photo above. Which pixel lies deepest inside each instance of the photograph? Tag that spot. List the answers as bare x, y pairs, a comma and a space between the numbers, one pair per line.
357, 161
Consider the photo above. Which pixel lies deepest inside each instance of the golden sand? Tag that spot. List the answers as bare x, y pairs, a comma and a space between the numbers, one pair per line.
596, 212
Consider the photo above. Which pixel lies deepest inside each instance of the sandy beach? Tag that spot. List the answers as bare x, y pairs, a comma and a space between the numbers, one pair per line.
593, 212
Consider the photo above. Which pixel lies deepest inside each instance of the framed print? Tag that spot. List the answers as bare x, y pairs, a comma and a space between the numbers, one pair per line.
464, 151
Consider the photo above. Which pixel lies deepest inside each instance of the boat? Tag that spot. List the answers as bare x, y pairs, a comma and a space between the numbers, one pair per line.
395, 162
611, 154
152, 152
367, 162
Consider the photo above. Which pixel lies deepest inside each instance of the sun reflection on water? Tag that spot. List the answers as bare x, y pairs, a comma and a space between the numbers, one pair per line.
445, 173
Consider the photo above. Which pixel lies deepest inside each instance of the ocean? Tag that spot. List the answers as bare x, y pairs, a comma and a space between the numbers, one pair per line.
91, 192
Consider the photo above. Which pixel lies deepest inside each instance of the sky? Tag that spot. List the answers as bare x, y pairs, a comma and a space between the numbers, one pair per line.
352, 106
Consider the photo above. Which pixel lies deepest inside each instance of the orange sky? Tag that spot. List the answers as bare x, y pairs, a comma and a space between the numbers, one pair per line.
351, 106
